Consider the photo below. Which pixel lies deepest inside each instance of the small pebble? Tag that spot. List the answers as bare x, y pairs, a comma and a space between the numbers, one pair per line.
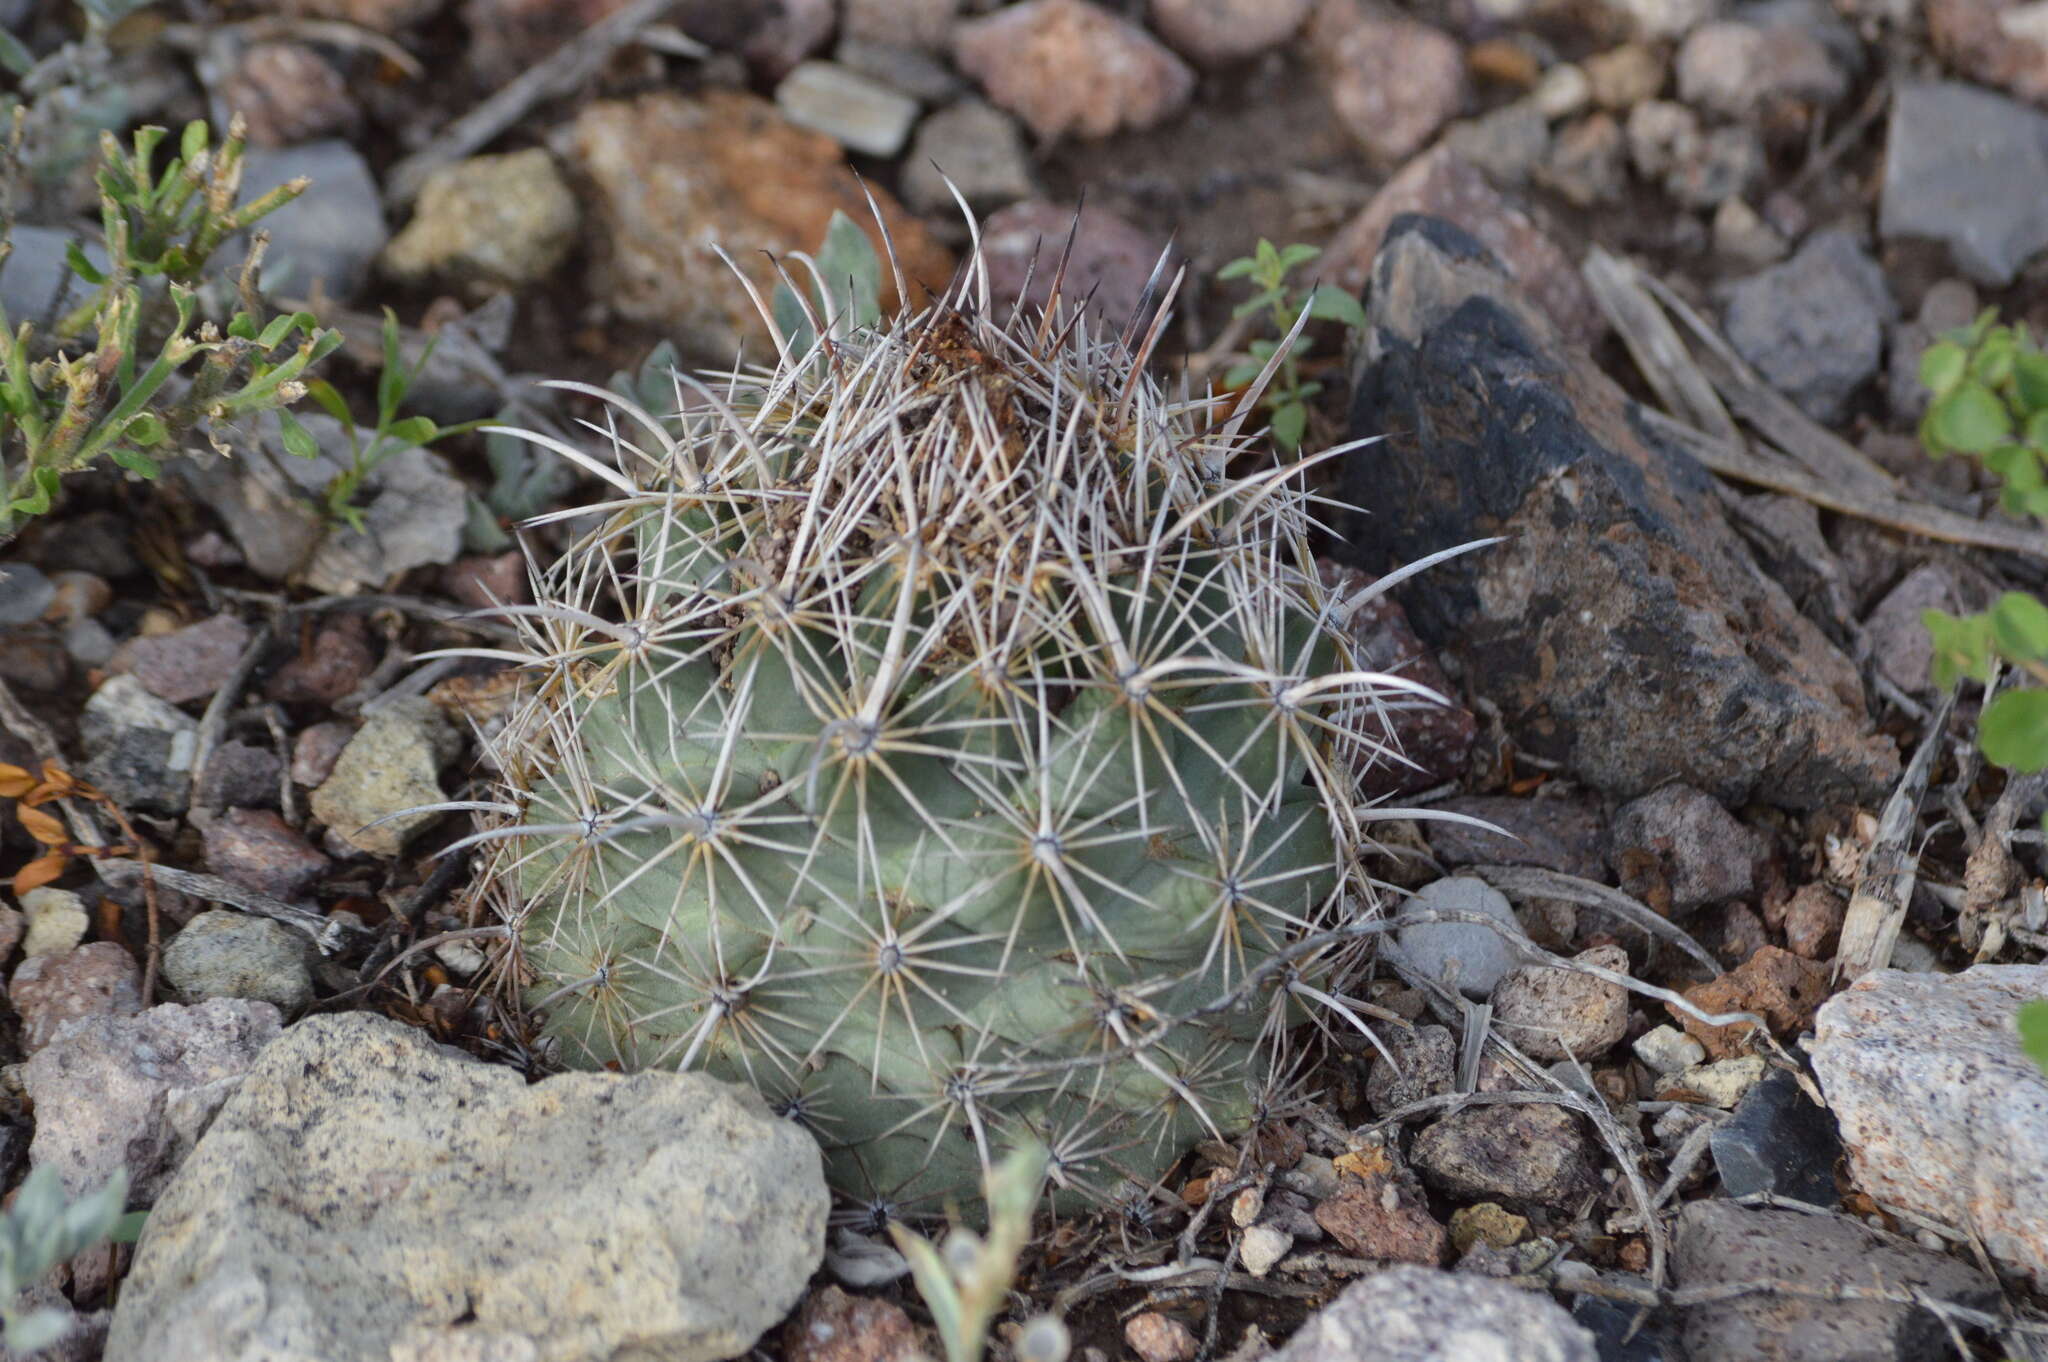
1262, 1247
860, 114
1666, 1049
1720, 1084
1563, 91
1156, 1338
57, 921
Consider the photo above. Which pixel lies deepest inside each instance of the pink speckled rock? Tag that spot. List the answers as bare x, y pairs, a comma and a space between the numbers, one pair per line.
1940, 1109
95, 980
1066, 66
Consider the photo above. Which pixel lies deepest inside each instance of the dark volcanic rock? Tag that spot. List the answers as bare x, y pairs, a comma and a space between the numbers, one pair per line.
1622, 627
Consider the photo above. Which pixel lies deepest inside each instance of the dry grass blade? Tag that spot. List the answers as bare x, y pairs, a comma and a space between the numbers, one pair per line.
1884, 887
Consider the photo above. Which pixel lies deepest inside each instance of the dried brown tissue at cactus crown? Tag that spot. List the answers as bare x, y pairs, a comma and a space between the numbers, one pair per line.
937, 736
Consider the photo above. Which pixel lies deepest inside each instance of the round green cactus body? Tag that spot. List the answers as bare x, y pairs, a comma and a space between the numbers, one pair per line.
941, 736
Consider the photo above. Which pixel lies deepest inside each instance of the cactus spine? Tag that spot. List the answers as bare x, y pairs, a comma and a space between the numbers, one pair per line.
939, 735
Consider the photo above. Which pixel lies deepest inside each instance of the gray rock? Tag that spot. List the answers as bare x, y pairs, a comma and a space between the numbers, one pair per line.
1900, 645
329, 235
860, 114
257, 848
1463, 955
137, 1092
1220, 32
1551, 1013
1588, 161
1678, 850
1508, 144
1742, 237
1628, 1333
186, 664
1814, 326
368, 1195
1940, 1109
1951, 158
143, 769
1582, 626
222, 954
1779, 1142
1419, 1314
392, 764
1533, 1154
923, 76
1424, 1064
24, 594
36, 282
1718, 1244
976, 145
1738, 70
240, 774
122, 702
1566, 835
414, 508
1719, 166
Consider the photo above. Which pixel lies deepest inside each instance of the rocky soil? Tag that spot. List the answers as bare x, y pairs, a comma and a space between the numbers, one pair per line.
1645, 285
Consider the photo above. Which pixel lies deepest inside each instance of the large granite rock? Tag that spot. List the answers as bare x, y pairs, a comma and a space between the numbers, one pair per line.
1943, 1113
368, 1196
1622, 627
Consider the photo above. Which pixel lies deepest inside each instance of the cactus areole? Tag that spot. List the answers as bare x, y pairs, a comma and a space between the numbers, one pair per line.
947, 734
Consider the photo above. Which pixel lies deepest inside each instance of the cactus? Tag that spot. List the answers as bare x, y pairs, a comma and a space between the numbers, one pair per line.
937, 733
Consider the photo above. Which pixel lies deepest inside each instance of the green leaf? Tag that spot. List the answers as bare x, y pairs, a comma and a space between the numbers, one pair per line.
74, 256
2033, 1028
2020, 624
1238, 268
2037, 429
413, 430
1298, 254
333, 403
37, 502
298, 441
128, 1229
1970, 418
36, 1330
392, 380
13, 55
1962, 646
135, 461
2030, 379
1992, 365
852, 272
788, 311
1290, 421
1332, 304
147, 429
193, 140
2013, 730
274, 334
1942, 366
1243, 372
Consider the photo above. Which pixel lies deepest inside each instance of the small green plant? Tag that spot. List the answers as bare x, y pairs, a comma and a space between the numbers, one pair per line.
846, 289
2033, 1025
386, 437
966, 1280
1268, 268
40, 1231
129, 372
1990, 401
